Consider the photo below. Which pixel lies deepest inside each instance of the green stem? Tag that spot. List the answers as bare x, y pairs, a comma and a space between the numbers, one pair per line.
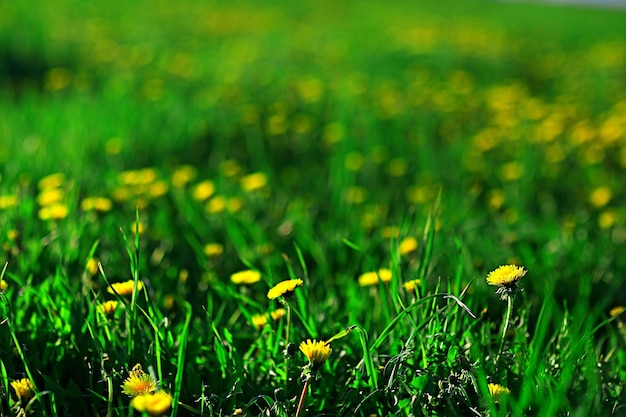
505, 328
287, 342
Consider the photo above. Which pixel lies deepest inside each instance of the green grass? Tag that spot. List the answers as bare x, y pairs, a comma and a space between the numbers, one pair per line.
490, 133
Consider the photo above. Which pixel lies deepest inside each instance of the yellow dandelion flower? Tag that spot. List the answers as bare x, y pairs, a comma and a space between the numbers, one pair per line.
3, 286
55, 211
24, 389
316, 352
92, 266
497, 391
607, 219
371, 278
50, 196
601, 196
506, 275
245, 277
9, 200
407, 245
156, 404
137, 227
138, 382
158, 189
254, 181
259, 321
230, 168
124, 288
182, 175
278, 314
203, 190
213, 249
138, 177
615, 311
412, 286
108, 307
216, 205
101, 204
283, 288
51, 181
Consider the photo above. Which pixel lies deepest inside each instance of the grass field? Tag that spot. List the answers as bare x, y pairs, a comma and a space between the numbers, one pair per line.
163, 165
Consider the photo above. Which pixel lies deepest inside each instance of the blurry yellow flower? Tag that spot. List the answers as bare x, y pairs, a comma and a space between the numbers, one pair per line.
9, 200
213, 249
600, 197
354, 161
496, 199
512, 171
259, 320
316, 352
607, 219
3, 286
182, 175
230, 168
216, 205
56, 211
371, 278
355, 195
283, 288
245, 277
408, 245
138, 177
92, 266
498, 391
108, 307
50, 196
506, 277
616, 311
254, 181
101, 204
156, 404
390, 231
157, 189
203, 190
138, 383
137, 227
234, 204
24, 389
412, 286
51, 181
278, 313
124, 288
397, 167
57, 78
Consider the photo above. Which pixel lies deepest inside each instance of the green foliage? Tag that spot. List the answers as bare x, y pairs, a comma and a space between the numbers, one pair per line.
169, 145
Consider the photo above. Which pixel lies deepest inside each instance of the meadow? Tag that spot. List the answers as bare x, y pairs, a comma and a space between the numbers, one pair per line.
312, 209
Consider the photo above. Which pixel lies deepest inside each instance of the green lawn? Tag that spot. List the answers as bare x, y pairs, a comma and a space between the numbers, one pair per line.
386, 158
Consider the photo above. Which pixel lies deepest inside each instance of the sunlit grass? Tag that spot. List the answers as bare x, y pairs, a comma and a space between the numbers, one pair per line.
236, 209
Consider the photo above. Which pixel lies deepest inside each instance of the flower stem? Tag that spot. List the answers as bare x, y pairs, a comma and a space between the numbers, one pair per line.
505, 328
305, 389
288, 308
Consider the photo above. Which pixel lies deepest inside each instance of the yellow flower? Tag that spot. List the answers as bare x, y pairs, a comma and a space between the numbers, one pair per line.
3, 286
408, 245
411, 286
615, 311
155, 404
261, 320
182, 175
600, 196
101, 204
124, 288
108, 307
55, 211
278, 313
245, 277
213, 249
316, 351
506, 275
24, 389
283, 288
9, 200
92, 266
50, 196
371, 278
51, 181
138, 382
203, 190
497, 391
254, 181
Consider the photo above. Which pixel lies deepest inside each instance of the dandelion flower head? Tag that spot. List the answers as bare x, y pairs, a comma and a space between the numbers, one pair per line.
138, 383
3, 285
497, 391
283, 288
371, 278
155, 404
24, 389
506, 275
316, 351
411, 286
245, 277
124, 288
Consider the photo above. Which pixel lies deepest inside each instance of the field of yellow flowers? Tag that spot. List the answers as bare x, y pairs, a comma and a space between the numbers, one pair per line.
312, 209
